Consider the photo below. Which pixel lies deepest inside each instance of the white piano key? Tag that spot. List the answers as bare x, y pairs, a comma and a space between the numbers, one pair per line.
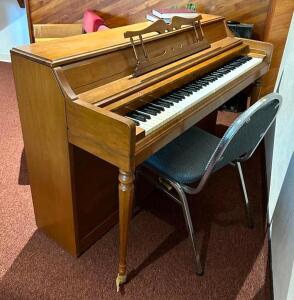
169, 113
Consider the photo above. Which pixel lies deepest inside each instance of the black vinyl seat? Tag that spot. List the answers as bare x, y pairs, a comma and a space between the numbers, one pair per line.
183, 159
194, 155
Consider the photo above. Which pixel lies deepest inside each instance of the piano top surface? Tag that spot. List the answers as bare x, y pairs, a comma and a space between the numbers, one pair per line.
61, 51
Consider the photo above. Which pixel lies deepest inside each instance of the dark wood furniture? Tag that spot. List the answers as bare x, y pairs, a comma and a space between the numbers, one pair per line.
21, 3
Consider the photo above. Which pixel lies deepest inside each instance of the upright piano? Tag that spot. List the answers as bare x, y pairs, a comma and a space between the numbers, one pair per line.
95, 106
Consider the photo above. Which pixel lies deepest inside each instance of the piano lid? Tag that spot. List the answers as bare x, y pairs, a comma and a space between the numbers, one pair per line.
74, 48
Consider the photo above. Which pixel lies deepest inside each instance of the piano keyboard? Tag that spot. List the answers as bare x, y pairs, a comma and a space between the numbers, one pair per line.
154, 114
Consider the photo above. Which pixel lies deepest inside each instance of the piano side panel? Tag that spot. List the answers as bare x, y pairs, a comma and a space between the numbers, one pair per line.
74, 193
101, 133
43, 120
88, 74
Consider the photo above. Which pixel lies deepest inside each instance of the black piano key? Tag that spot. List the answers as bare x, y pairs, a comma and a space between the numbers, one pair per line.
196, 87
228, 67
162, 103
147, 116
137, 117
150, 111
226, 70
240, 61
234, 65
185, 89
194, 84
215, 74
170, 98
135, 121
184, 93
211, 78
220, 74
190, 88
201, 82
160, 108
166, 101
235, 62
208, 80
175, 95
223, 70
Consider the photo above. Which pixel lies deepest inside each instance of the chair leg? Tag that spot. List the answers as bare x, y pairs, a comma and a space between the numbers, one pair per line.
186, 211
247, 206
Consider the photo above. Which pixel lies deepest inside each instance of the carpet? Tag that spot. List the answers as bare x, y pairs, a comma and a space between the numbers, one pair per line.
160, 257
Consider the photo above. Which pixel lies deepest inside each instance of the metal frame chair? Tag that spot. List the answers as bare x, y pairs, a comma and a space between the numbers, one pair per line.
167, 184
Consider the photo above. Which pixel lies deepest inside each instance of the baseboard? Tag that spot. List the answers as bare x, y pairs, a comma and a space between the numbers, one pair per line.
5, 56
270, 266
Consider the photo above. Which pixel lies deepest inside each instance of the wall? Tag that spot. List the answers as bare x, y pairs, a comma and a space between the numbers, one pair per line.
13, 27
271, 18
282, 239
280, 141
123, 12
278, 22
280, 171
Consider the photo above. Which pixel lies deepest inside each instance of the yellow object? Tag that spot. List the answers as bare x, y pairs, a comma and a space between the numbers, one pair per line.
120, 280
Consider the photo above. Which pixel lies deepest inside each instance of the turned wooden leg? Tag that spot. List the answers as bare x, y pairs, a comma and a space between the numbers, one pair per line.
255, 91
126, 195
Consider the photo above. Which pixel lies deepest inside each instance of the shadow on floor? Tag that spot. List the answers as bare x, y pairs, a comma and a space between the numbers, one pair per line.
23, 177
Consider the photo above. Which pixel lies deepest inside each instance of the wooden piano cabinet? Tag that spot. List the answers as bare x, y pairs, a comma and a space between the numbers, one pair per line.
208, 123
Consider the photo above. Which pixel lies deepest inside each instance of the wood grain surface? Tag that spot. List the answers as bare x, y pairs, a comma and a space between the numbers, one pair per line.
122, 12
276, 32
47, 150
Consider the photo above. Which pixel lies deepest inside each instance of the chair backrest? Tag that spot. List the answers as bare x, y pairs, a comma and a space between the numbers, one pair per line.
91, 21
244, 135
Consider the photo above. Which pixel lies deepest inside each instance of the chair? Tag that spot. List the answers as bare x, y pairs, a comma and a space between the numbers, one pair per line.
92, 22
194, 155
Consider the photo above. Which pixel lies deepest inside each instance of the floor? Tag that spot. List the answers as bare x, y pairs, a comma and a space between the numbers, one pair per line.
160, 256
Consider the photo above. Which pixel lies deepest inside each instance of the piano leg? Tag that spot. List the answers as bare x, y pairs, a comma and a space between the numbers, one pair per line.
126, 195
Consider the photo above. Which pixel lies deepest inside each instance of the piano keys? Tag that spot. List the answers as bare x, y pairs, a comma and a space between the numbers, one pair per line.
92, 111
163, 109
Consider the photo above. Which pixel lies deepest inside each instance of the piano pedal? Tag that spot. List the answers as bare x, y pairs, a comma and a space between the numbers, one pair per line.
120, 280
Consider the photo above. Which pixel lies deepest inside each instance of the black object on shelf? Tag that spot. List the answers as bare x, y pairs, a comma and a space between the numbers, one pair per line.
241, 29
238, 103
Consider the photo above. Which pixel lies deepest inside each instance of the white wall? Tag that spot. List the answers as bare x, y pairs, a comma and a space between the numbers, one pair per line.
282, 239
280, 173
13, 27
280, 140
